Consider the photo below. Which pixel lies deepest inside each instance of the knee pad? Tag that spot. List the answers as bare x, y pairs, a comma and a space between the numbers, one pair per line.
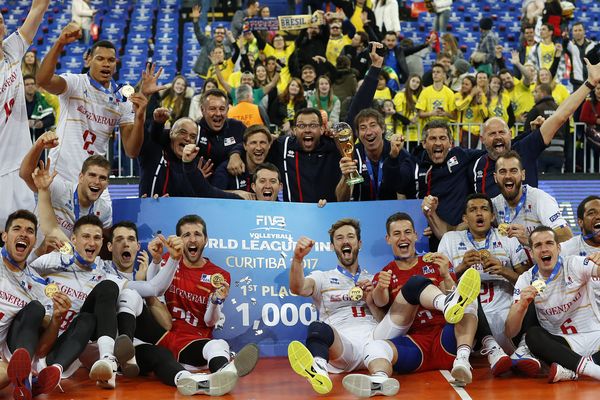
216, 348
320, 331
377, 349
130, 302
413, 288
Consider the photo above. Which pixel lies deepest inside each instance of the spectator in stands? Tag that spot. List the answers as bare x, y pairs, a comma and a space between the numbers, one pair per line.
247, 78
267, 36
542, 53
30, 63
436, 101
222, 65
246, 110
39, 112
175, 99
207, 44
311, 42
387, 16
395, 56
384, 91
83, 15
519, 90
364, 20
237, 22
458, 71
532, 10
344, 78
450, 46
324, 99
338, 38
498, 101
406, 104
483, 58
358, 53
394, 121
527, 44
445, 60
471, 106
577, 48
483, 81
257, 142
282, 51
195, 105
283, 108
559, 91
309, 77
443, 9
266, 182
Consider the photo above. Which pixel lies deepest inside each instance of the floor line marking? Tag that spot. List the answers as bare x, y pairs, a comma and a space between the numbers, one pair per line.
462, 393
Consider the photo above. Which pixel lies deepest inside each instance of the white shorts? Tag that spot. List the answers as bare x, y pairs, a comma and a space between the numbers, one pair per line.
16, 195
497, 322
353, 345
584, 344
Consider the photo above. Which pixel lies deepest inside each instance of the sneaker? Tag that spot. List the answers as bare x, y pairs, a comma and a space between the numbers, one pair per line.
559, 373
215, 384
18, 371
499, 361
104, 372
524, 362
465, 293
461, 372
303, 364
369, 385
244, 361
47, 380
125, 354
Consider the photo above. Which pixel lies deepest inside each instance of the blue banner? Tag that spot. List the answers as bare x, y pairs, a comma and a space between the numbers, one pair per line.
254, 241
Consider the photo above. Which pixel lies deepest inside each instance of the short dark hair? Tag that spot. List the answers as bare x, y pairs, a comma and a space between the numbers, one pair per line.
527, 26
510, 154
504, 71
475, 196
542, 228
578, 23
190, 219
435, 124
369, 113
95, 160
29, 76
21, 214
388, 33
343, 222
268, 166
251, 3
87, 220
104, 44
438, 65
123, 224
306, 111
399, 216
213, 92
364, 38
549, 26
581, 206
257, 128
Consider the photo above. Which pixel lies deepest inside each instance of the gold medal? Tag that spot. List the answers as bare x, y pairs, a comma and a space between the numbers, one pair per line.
127, 91
539, 285
503, 229
355, 294
484, 255
66, 249
217, 280
428, 257
51, 289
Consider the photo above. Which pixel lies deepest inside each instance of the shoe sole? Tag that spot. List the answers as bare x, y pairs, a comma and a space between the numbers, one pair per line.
468, 289
462, 376
246, 359
219, 383
124, 349
301, 362
18, 370
552, 373
362, 386
529, 368
101, 372
503, 365
47, 380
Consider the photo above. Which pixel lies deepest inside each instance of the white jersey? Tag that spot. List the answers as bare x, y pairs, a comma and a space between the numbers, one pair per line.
88, 117
565, 307
75, 282
15, 138
539, 209
576, 246
331, 298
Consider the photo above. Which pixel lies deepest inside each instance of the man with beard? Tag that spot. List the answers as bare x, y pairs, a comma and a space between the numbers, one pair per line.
348, 315
520, 208
568, 337
588, 219
266, 182
371, 152
195, 300
414, 335
257, 141
500, 260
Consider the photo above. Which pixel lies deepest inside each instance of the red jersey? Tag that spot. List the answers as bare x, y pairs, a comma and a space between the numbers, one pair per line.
425, 319
188, 296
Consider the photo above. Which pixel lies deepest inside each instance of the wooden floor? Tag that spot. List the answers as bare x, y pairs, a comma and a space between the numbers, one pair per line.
274, 379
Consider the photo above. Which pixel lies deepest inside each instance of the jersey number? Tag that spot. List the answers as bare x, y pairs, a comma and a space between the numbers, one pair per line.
185, 315
358, 312
568, 329
487, 292
8, 107
88, 139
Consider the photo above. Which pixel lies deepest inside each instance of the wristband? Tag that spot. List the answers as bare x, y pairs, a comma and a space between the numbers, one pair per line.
589, 85
215, 300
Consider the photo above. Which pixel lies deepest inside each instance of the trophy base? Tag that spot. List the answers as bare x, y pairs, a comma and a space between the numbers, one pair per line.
355, 180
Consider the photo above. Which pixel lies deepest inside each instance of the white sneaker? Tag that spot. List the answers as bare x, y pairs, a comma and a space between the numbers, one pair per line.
244, 361
461, 372
559, 373
465, 293
125, 354
104, 372
525, 362
499, 361
215, 384
304, 364
370, 385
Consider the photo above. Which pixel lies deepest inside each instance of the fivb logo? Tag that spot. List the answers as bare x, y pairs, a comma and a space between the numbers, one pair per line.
270, 221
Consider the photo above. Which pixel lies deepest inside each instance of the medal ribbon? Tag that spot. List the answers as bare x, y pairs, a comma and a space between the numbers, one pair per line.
507, 219
109, 91
347, 273
379, 175
12, 262
555, 270
76, 205
487, 240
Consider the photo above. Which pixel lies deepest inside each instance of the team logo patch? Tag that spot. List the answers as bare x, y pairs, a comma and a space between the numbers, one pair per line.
229, 141
497, 245
517, 292
203, 140
555, 217
334, 281
205, 278
452, 162
428, 270
462, 246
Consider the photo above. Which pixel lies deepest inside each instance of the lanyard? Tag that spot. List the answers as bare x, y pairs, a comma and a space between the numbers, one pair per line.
76, 205
487, 240
379, 175
347, 273
80, 259
24, 269
100, 87
517, 209
555, 270
590, 235
119, 274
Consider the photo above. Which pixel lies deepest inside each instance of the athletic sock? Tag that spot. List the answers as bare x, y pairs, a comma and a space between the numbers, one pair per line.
438, 302
463, 351
588, 367
106, 346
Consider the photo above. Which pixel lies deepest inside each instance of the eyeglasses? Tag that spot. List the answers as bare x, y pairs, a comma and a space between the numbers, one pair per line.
311, 126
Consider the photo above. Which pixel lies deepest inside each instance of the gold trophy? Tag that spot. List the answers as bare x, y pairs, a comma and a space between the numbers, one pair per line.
344, 139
